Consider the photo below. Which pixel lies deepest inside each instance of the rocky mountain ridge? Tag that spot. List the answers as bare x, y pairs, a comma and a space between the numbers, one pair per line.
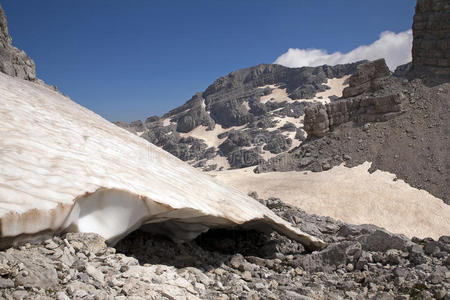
381, 117
397, 121
246, 117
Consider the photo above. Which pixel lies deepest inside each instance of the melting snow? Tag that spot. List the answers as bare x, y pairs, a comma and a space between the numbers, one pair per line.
64, 167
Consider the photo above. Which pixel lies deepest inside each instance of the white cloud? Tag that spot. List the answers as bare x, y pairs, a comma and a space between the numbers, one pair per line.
394, 47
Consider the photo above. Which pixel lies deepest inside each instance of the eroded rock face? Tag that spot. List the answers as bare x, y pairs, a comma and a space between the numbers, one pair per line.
320, 119
431, 31
13, 61
368, 78
263, 106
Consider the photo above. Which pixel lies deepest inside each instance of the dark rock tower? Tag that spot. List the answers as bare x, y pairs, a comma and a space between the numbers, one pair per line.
431, 33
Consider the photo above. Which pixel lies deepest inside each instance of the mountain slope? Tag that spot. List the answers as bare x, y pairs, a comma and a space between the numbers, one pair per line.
246, 117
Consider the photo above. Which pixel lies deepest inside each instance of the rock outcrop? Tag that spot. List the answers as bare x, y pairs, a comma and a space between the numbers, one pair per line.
13, 61
431, 32
413, 145
245, 116
369, 77
320, 119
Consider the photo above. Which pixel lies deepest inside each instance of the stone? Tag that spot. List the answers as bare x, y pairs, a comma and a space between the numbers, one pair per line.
365, 78
382, 240
93, 243
445, 239
62, 296
246, 275
321, 119
447, 261
95, 273
431, 248
416, 254
40, 271
363, 260
6, 283
331, 257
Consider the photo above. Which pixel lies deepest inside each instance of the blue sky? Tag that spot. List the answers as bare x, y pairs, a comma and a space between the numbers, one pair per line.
127, 60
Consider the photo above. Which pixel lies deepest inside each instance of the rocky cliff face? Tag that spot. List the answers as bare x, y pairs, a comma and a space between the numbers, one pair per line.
413, 145
13, 61
431, 30
370, 77
246, 117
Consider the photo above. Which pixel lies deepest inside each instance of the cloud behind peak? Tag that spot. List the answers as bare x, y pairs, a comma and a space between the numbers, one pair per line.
394, 47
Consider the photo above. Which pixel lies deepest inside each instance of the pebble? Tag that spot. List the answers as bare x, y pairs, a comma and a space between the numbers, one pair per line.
340, 271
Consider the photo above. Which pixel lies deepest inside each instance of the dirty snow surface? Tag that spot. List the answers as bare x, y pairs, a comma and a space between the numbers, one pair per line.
64, 167
352, 195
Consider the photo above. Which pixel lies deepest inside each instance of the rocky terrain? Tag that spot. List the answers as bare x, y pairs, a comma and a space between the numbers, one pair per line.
411, 142
13, 61
246, 117
273, 118
402, 129
398, 121
361, 262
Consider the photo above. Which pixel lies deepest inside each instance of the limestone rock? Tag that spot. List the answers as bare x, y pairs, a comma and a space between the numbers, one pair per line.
320, 119
366, 78
34, 269
13, 61
264, 103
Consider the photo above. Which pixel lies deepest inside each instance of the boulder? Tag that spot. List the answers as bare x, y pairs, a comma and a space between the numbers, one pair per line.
366, 78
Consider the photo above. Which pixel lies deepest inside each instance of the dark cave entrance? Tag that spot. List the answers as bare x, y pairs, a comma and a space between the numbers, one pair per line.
210, 249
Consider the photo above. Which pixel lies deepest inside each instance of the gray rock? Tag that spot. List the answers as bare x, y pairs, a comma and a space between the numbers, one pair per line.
13, 61
445, 239
38, 269
431, 248
382, 240
95, 273
365, 78
331, 257
6, 283
92, 242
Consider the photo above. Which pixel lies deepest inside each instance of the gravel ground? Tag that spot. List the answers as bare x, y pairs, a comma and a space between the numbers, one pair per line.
360, 262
